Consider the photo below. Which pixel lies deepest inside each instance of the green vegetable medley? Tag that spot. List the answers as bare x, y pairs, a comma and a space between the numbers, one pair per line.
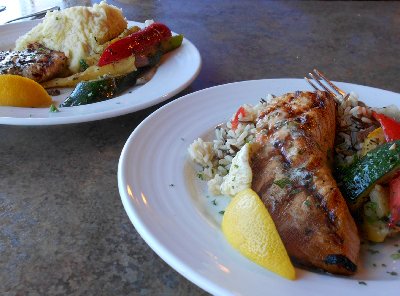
371, 184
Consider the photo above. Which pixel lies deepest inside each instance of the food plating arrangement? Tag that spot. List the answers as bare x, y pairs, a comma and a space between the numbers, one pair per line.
245, 182
100, 60
296, 152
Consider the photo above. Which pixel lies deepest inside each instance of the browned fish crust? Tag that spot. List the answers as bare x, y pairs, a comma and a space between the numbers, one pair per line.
292, 175
36, 62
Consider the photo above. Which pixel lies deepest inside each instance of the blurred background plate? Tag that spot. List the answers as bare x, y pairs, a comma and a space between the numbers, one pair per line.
176, 71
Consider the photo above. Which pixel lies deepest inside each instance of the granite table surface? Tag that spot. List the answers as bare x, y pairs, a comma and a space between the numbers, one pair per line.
63, 229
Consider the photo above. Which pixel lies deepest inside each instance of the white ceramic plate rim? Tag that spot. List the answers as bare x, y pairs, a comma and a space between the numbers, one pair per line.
209, 261
184, 63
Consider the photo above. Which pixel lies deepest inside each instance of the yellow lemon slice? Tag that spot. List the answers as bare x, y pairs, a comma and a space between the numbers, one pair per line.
249, 228
20, 91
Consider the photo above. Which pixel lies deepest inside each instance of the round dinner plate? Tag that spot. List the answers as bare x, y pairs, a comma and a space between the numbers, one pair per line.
171, 209
176, 71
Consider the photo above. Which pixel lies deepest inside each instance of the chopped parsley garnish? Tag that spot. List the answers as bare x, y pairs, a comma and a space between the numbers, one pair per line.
83, 64
53, 109
295, 191
371, 206
282, 183
391, 272
395, 256
214, 202
221, 212
200, 176
372, 251
307, 203
362, 283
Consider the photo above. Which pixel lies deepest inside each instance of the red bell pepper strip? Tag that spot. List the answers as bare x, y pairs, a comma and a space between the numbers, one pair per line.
136, 43
235, 120
391, 128
394, 200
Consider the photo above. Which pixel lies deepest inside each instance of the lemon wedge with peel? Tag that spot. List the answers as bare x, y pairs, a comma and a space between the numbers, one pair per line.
18, 91
249, 228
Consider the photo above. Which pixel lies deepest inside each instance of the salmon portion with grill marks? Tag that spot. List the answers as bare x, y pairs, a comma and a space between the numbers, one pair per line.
292, 175
36, 62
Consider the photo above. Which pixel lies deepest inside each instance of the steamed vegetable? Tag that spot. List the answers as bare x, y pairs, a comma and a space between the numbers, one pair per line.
87, 92
373, 140
376, 212
391, 127
94, 72
235, 120
394, 200
136, 43
376, 167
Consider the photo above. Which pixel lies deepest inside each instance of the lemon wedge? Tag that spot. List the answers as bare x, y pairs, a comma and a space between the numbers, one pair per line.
249, 228
20, 91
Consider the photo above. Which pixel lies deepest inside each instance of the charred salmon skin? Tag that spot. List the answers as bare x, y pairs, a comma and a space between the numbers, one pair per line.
292, 175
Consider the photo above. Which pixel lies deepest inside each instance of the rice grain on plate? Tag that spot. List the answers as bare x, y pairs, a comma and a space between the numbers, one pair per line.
215, 157
354, 123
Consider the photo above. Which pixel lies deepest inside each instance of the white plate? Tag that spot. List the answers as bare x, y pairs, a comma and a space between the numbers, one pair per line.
176, 71
169, 207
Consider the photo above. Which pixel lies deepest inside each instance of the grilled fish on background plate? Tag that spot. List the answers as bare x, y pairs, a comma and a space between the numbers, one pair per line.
36, 62
292, 175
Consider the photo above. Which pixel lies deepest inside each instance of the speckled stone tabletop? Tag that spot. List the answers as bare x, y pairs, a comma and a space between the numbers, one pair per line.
63, 228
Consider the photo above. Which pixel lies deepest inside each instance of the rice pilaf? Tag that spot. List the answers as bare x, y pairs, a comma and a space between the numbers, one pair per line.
354, 123
215, 158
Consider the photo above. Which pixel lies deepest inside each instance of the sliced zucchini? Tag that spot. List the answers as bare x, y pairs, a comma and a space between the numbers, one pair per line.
93, 91
376, 167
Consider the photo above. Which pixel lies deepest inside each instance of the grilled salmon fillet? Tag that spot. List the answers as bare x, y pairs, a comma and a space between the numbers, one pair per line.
292, 175
36, 62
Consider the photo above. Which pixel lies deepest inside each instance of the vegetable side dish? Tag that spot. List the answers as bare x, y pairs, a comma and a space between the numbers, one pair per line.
91, 49
323, 168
